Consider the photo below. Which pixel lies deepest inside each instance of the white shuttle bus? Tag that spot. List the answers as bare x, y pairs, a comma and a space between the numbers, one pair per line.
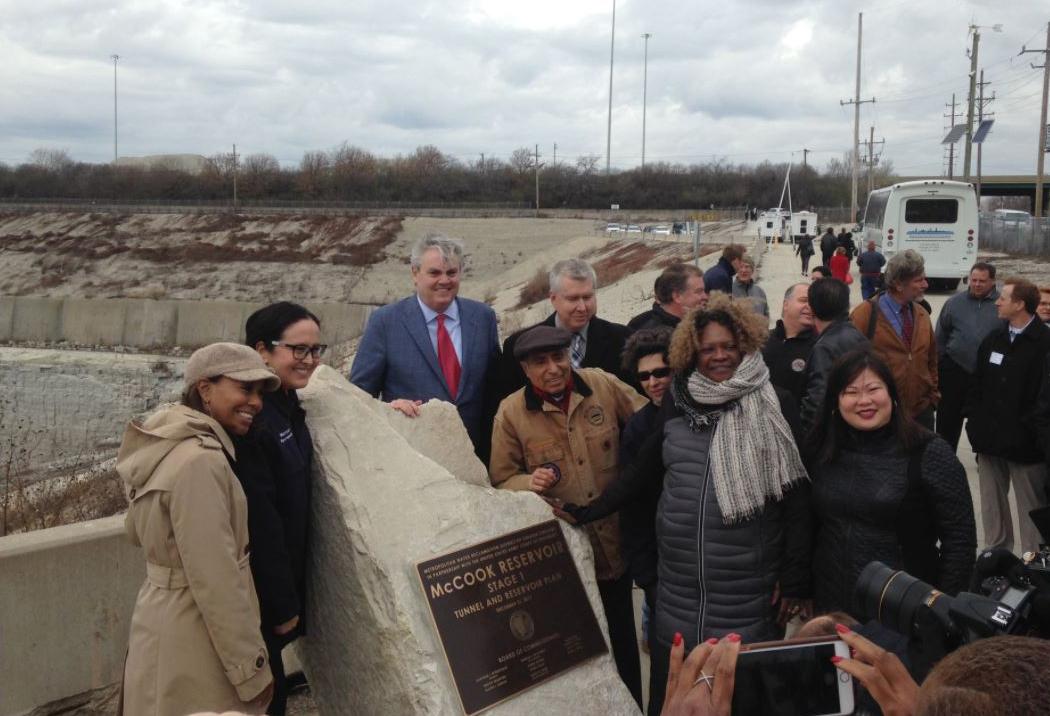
937, 218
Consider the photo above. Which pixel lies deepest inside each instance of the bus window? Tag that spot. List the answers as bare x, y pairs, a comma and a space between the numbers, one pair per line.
876, 208
931, 211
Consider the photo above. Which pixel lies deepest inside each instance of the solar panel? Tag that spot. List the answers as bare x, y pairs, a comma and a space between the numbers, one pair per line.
982, 130
953, 136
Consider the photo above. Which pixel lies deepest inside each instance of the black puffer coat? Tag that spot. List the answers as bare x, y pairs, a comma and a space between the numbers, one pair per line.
713, 578
876, 502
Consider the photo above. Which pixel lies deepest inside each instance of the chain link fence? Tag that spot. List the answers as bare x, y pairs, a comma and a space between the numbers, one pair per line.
1029, 236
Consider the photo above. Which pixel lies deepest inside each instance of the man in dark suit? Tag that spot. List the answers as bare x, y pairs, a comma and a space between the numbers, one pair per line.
433, 345
596, 343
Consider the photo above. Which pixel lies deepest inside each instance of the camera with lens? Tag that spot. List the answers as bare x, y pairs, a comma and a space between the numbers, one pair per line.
1007, 596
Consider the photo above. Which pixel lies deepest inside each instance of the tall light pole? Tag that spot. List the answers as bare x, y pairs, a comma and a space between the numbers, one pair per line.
645, 89
972, 99
114, 58
608, 131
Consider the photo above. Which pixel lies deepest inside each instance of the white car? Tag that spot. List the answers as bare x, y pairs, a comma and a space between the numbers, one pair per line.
661, 230
1013, 218
613, 228
633, 229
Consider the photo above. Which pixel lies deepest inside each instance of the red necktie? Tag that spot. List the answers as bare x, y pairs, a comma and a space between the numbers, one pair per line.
907, 324
447, 357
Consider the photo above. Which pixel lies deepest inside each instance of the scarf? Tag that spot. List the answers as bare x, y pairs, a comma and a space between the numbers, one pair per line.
753, 456
561, 400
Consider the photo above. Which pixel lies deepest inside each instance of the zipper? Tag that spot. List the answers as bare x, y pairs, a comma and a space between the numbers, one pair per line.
700, 549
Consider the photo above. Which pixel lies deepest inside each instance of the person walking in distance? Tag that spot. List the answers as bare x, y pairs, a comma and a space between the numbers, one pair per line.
828, 244
870, 264
804, 250
1001, 419
965, 319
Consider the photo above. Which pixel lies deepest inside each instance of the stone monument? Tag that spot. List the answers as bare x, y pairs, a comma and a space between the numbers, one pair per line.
389, 492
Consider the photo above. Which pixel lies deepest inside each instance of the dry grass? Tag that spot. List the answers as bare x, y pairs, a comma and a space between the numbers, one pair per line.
535, 289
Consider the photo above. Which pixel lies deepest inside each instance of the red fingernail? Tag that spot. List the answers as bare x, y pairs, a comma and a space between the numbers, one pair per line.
677, 639
836, 659
713, 640
733, 638
842, 629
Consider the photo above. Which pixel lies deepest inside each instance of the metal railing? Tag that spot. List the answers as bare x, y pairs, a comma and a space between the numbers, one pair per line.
1029, 236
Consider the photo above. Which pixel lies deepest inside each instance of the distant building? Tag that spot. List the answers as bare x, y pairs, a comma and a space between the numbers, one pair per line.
189, 163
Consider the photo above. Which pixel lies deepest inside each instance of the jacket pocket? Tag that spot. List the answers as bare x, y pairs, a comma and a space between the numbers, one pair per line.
543, 453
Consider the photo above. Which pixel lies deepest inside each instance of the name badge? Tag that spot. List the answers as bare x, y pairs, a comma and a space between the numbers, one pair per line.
995, 358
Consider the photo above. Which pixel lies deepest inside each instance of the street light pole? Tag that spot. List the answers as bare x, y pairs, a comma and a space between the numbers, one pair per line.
608, 131
114, 58
645, 89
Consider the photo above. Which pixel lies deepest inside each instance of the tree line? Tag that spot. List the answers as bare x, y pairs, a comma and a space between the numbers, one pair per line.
351, 174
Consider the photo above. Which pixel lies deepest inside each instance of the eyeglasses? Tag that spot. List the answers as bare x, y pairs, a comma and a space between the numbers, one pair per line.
644, 375
301, 350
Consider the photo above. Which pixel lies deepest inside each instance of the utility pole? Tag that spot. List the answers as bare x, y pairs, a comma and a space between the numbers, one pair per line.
951, 147
608, 131
981, 102
856, 102
645, 89
970, 101
554, 157
872, 159
1042, 122
235, 175
805, 153
114, 58
537, 180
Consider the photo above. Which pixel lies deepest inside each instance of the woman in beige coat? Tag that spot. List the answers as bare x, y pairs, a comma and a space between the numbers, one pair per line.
195, 643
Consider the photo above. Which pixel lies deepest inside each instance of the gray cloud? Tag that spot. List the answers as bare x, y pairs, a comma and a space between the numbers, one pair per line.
745, 81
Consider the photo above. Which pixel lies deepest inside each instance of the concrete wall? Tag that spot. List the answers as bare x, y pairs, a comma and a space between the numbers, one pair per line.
148, 324
66, 598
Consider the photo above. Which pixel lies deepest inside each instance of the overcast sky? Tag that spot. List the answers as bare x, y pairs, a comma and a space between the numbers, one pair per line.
743, 81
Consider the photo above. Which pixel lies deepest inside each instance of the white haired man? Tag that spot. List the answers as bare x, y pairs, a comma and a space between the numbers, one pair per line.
596, 343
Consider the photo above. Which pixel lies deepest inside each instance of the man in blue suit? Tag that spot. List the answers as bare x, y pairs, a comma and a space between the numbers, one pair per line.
433, 345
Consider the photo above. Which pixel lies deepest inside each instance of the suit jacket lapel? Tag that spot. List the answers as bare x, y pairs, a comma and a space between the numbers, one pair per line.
412, 317
470, 335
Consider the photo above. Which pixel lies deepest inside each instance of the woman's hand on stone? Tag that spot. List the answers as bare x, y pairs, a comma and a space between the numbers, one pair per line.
702, 684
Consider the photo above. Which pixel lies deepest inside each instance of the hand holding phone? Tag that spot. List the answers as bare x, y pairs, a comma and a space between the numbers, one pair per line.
881, 673
796, 677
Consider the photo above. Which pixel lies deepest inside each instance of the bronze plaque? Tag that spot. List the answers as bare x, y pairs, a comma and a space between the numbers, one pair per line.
511, 613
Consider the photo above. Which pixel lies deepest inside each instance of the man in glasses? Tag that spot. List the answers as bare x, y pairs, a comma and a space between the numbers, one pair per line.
433, 345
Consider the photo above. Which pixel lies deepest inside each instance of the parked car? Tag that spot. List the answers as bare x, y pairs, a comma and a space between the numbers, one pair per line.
633, 229
1013, 218
661, 230
613, 228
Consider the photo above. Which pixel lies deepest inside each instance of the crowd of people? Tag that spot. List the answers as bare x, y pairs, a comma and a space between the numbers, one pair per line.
740, 476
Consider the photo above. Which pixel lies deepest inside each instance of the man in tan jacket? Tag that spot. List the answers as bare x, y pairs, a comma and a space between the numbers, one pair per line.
559, 437
901, 333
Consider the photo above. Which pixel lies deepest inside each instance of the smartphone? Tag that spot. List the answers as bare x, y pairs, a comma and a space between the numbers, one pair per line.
792, 678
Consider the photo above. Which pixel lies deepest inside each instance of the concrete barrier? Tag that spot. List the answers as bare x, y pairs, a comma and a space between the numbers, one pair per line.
37, 319
146, 324
66, 599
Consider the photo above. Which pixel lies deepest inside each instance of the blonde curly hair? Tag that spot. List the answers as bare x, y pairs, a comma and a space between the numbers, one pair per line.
749, 329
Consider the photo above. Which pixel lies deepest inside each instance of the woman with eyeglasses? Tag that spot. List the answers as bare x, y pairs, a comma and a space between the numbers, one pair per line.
274, 469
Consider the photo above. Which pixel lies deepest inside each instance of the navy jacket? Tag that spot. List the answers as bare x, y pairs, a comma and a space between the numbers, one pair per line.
273, 465
720, 277
397, 360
